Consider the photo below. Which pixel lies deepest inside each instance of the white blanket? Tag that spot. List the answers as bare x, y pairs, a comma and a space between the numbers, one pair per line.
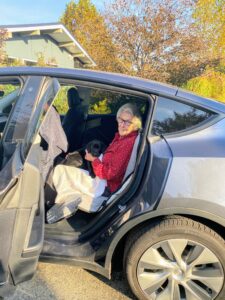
71, 182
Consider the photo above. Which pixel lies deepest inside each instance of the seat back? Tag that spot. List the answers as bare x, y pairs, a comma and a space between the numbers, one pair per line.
133, 158
96, 204
74, 120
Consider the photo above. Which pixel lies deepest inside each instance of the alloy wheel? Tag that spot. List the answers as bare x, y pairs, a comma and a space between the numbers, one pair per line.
180, 269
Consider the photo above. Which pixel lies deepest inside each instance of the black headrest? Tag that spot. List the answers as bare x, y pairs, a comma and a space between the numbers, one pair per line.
73, 97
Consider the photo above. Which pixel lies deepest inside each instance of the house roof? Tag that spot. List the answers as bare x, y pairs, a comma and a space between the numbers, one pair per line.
58, 32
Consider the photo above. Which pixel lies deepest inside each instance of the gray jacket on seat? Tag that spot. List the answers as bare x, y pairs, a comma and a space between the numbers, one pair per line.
52, 132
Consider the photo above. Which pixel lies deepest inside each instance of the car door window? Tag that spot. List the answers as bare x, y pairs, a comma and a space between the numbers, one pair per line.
102, 101
9, 90
51, 89
172, 116
22, 111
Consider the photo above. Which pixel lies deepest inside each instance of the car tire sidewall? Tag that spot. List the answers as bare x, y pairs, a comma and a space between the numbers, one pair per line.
152, 237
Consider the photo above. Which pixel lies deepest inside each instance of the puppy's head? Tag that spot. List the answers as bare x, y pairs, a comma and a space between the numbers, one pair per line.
96, 147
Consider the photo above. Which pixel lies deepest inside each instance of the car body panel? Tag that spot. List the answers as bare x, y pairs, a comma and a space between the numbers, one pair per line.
198, 169
150, 217
161, 163
112, 79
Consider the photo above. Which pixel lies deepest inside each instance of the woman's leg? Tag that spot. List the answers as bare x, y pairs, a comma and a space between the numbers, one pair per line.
70, 180
73, 186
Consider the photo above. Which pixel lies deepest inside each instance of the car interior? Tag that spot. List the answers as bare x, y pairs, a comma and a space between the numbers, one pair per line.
95, 110
87, 112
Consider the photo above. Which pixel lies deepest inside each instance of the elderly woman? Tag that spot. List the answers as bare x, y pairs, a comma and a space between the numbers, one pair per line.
74, 185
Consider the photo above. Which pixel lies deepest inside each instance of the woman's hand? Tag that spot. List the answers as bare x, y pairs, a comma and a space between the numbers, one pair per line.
89, 156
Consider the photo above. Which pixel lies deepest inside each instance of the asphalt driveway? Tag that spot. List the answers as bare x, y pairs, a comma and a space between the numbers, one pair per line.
71, 283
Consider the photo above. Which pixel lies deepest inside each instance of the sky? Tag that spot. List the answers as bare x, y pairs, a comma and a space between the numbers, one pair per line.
15, 12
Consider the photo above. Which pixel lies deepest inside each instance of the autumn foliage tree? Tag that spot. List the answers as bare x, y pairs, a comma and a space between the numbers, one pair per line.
3, 36
180, 42
155, 39
148, 38
210, 17
87, 25
210, 84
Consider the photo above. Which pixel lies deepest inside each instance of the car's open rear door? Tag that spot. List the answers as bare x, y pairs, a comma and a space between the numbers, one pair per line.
21, 185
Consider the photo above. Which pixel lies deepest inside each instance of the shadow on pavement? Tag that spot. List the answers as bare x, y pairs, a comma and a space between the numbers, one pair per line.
59, 282
36, 288
117, 282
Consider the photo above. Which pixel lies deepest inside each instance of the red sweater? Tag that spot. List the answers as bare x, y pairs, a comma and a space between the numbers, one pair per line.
115, 160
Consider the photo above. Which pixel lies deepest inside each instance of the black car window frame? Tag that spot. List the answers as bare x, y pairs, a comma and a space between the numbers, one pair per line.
22, 111
47, 95
7, 110
139, 95
215, 116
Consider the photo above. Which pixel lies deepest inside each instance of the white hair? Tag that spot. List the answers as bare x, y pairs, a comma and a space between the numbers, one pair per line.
132, 110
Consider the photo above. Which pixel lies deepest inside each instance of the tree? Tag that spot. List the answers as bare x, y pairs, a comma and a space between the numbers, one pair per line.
43, 62
210, 22
191, 61
4, 60
210, 84
157, 39
3, 36
210, 16
88, 27
151, 35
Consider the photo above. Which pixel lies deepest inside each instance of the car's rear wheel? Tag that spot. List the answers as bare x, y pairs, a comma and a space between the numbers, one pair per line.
176, 259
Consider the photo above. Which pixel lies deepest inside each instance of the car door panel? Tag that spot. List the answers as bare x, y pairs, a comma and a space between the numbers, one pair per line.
9, 177
26, 247
22, 205
161, 159
6, 224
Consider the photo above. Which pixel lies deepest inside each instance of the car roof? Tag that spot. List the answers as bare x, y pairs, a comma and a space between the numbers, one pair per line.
120, 80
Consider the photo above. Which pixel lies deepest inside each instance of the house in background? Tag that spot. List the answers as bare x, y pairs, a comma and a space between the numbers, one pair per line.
53, 42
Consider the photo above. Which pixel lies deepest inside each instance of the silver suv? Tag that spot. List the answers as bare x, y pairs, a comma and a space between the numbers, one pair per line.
164, 225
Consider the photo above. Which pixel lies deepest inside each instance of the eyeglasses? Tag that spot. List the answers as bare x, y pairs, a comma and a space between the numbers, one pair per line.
124, 122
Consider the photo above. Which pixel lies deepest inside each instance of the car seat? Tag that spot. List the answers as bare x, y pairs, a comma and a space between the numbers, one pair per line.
74, 120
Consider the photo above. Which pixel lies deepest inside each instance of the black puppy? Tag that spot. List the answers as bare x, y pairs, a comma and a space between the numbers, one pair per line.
96, 148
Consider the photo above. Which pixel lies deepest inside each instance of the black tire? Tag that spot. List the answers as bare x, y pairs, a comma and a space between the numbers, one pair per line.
203, 244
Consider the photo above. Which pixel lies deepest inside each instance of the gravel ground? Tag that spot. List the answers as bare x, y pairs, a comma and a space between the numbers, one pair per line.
71, 283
